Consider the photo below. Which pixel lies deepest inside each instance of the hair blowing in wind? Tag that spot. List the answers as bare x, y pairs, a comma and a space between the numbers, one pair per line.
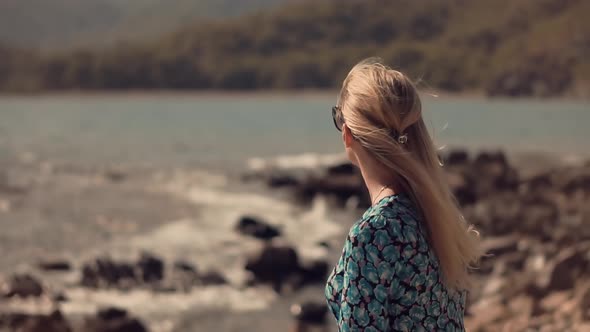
380, 104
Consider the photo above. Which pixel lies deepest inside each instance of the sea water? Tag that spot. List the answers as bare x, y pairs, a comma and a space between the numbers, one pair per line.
225, 131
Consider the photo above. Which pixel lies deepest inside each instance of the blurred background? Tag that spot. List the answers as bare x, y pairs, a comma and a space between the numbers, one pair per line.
173, 165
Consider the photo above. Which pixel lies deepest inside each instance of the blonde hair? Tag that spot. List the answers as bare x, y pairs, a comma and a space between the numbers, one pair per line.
380, 104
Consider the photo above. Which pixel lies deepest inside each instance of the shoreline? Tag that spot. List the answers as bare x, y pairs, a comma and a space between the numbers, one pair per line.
269, 93
189, 214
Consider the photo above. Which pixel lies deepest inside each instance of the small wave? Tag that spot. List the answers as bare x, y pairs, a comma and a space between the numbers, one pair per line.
299, 161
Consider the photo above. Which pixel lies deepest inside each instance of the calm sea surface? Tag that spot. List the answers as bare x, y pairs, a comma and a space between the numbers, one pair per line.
225, 130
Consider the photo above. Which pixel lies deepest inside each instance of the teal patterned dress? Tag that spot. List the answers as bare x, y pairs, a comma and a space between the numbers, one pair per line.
388, 277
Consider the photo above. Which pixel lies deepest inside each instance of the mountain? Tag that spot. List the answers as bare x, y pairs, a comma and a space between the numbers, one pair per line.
55, 24
503, 47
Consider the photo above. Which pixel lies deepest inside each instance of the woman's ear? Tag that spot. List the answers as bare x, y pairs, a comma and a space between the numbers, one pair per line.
347, 137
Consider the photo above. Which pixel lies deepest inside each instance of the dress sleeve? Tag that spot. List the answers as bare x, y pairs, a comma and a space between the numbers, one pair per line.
367, 277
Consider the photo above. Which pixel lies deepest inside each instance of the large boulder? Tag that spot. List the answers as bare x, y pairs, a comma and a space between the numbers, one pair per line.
279, 265
274, 264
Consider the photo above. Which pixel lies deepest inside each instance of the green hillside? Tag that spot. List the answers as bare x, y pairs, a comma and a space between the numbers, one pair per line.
55, 24
505, 47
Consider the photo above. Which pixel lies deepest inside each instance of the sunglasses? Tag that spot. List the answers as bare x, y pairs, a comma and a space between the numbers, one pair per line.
337, 117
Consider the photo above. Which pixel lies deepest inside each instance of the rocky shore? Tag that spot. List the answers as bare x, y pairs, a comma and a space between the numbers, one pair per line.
535, 228
257, 272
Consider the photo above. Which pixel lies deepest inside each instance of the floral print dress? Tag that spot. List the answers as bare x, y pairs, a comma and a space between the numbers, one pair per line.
388, 277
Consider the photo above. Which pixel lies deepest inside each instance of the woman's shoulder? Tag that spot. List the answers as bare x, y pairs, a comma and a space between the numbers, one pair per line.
392, 222
391, 214
397, 209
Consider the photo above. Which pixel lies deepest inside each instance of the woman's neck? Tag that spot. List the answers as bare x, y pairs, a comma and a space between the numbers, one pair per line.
376, 178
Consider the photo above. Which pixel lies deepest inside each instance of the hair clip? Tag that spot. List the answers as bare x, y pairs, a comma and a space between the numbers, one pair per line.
402, 139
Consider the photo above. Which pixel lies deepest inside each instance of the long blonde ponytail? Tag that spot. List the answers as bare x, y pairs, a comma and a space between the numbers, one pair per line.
380, 104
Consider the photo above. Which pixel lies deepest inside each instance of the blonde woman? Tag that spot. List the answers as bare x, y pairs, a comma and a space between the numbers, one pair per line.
404, 266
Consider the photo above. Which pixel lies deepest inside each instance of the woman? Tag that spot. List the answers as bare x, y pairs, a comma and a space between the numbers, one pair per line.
404, 266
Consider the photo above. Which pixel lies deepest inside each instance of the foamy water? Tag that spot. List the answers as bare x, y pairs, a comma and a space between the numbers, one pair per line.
209, 241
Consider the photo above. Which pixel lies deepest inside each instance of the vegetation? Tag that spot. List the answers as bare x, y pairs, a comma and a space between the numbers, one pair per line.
527, 47
57, 24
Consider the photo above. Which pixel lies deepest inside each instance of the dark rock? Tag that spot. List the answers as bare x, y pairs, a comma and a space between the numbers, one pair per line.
281, 180
585, 303
539, 217
151, 268
104, 272
54, 265
211, 278
23, 285
465, 195
497, 214
111, 313
341, 187
24, 322
113, 320
491, 172
581, 183
314, 272
257, 228
342, 169
486, 158
60, 297
274, 264
570, 265
461, 186
540, 182
508, 180
457, 157
310, 312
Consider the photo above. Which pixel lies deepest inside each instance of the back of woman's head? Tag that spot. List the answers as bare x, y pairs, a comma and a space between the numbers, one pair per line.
382, 109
